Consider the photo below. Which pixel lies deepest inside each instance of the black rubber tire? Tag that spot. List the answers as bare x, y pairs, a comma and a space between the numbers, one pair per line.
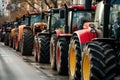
62, 56
110, 61
10, 41
53, 43
102, 61
44, 49
118, 62
6, 41
75, 42
1, 37
27, 42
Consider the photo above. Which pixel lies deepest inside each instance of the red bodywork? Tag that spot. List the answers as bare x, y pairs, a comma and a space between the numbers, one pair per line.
81, 7
21, 27
86, 34
61, 33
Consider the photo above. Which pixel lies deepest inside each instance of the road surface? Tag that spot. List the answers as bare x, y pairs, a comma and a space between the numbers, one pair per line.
13, 66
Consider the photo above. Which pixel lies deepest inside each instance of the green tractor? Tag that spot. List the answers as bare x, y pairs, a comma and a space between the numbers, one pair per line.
42, 39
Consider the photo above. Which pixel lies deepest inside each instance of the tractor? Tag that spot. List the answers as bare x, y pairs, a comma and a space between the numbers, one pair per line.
7, 26
94, 53
42, 39
12, 33
2, 32
75, 17
24, 37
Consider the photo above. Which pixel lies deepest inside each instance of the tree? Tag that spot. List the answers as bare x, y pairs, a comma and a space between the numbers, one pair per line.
51, 3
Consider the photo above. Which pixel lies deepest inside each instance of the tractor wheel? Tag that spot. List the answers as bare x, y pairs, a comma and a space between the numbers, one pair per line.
74, 58
6, 42
2, 38
110, 61
118, 62
44, 49
98, 62
10, 41
27, 42
53, 43
62, 56
35, 49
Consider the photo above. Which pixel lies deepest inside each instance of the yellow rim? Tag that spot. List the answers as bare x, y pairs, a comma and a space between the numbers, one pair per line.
86, 65
72, 61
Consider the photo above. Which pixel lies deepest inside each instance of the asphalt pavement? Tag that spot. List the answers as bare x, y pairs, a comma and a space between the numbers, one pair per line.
14, 67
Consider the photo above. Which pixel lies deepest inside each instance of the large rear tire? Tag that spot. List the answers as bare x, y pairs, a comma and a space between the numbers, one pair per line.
10, 41
62, 56
27, 42
98, 62
44, 49
53, 43
74, 59
6, 42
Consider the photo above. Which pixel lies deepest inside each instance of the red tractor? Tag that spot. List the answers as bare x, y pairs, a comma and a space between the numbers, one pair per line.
12, 33
75, 17
94, 53
24, 37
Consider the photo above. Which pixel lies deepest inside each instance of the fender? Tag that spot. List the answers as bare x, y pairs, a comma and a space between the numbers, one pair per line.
21, 28
58, 32
86, 35
12, 32
20, 31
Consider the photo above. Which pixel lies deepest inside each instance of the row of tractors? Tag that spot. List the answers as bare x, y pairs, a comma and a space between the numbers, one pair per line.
80, 40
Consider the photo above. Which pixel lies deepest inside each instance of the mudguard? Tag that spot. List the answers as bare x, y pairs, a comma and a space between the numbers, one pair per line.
86, 35
21, 28
20, 31
13, 32
58, 32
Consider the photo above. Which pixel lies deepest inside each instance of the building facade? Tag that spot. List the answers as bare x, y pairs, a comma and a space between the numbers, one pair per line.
2, 7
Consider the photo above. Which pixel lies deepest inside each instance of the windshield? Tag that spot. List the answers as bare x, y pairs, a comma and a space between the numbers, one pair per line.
25, 21
34, 19
78, 18
115, 1
56, 22
114, 13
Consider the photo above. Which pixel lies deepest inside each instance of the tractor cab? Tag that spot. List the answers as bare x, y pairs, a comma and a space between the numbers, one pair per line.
55, 22
31, 18
114, 21
78, 15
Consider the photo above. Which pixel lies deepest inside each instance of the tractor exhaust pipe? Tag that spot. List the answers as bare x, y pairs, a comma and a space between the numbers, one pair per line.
88, 4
